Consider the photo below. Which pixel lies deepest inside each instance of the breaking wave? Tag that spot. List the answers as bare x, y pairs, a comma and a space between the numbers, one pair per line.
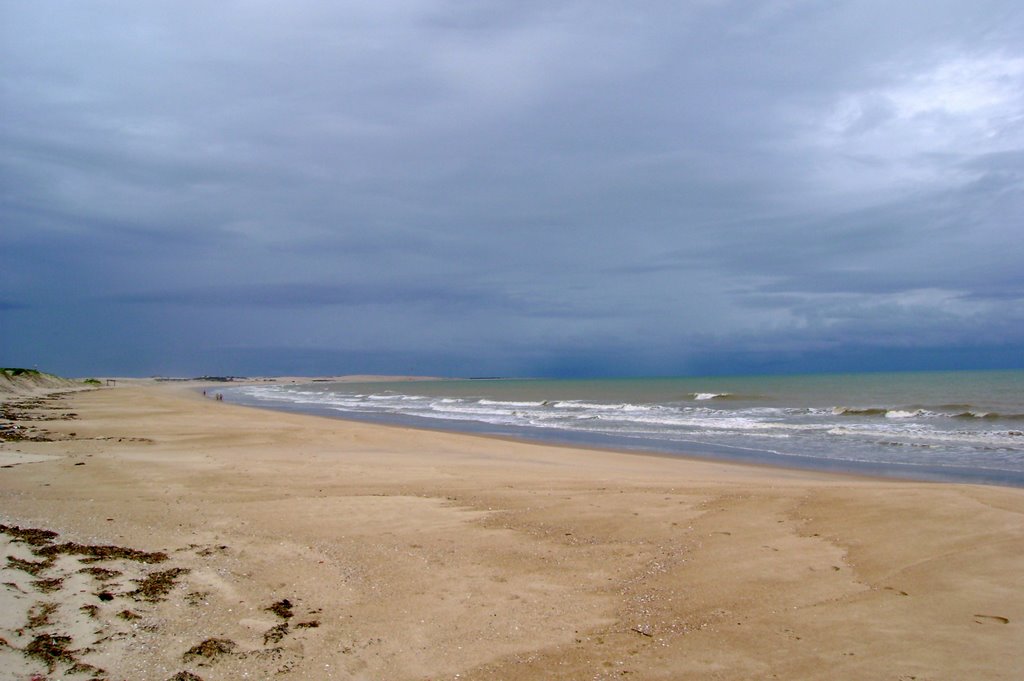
958, 411
953, 434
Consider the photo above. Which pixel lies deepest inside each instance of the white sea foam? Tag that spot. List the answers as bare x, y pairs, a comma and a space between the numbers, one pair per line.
579, 404
951, 434
903, 413
502, 403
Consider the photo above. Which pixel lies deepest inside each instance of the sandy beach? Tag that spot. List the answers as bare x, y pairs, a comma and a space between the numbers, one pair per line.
152, 534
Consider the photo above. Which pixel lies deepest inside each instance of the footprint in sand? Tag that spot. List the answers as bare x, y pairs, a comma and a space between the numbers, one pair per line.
990, 619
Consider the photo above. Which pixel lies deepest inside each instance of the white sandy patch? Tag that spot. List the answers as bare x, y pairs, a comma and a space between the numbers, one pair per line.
15, 458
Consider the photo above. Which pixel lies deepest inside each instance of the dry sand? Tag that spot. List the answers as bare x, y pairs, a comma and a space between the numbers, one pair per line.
222, 542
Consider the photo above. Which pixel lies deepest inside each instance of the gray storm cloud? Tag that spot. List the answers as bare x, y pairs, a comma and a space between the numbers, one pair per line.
519, 188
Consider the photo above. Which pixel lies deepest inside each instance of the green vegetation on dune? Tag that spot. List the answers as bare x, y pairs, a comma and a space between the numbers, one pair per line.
20, 379
21, 372
11, 372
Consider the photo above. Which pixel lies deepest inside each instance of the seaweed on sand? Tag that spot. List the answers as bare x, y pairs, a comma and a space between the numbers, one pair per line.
39, 615
102, 574
275, 634
45, 548
85, 668
95, 553
29, 566
211, 649
32, 536
154, 587
283, 609
196, 597
48, 585
15, 433
50, 650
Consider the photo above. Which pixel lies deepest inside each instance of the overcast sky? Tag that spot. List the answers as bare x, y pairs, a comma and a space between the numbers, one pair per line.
511, 188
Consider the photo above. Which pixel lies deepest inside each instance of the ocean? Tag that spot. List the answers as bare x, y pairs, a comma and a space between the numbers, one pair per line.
953, 426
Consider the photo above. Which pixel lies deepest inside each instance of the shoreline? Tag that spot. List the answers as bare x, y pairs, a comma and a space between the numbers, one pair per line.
423, 554
764, 467
894, 471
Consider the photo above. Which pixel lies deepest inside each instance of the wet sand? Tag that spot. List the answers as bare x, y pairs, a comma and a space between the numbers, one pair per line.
150, 533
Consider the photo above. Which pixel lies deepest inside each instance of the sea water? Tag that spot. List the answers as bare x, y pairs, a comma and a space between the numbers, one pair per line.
961, 426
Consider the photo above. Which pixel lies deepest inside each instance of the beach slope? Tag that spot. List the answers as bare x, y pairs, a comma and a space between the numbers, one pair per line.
153, 534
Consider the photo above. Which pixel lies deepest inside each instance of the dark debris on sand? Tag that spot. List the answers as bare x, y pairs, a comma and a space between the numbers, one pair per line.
185, 676
48, 585
95, 553
14, 433
283, 609
29, 566
39, 615
210, 649
50, 650
154, 587
42, 540
196, 597
13, 411
275, 634
29, 535
54, 649
102, 574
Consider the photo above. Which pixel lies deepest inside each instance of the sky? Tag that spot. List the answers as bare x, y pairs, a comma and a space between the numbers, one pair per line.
483, 188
